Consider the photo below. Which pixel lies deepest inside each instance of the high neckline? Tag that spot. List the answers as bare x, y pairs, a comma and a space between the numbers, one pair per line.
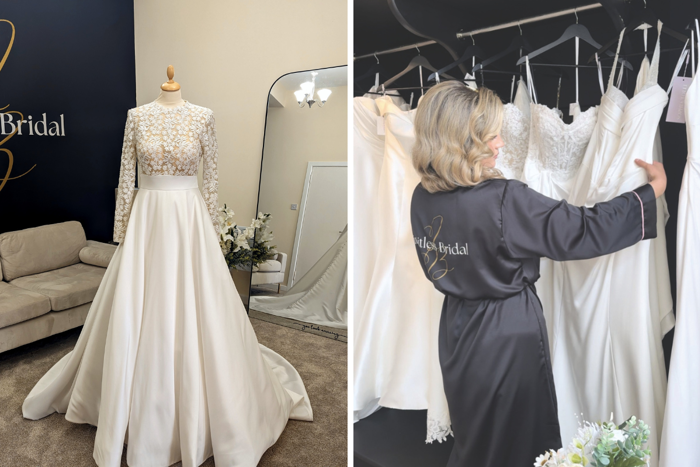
168, 109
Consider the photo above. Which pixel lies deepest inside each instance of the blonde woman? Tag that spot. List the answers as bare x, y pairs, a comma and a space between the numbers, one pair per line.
480, 238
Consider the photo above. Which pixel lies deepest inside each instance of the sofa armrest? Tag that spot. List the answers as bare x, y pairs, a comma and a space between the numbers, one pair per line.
97, 253
282, 258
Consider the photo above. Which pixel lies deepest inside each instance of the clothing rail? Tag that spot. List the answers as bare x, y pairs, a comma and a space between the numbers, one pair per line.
534, 19
464, 34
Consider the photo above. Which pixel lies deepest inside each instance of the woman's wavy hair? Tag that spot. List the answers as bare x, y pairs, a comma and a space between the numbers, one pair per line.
453, 125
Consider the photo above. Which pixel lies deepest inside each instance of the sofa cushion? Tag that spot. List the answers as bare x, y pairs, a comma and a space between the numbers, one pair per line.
17, 305
97, 253
270, 266
32, 251
66, 287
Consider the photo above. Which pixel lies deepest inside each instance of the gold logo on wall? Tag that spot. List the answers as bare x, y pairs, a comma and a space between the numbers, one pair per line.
10, 157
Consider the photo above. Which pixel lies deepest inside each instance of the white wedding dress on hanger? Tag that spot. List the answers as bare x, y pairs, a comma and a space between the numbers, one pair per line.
580, 354
167, 360
555, 151
396, 362
515, 133
681, 432
607, 356
368, 156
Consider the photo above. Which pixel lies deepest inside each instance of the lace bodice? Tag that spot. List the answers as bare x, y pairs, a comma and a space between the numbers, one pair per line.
167, 141
556, 147
516, 135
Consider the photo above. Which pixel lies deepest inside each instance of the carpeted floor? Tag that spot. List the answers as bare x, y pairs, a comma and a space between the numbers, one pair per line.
54, 442
324, 331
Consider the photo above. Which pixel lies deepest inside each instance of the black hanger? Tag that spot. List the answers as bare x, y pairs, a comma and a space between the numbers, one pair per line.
415, 62
471, 51
645, 16
575, 30
518, 42
376, 70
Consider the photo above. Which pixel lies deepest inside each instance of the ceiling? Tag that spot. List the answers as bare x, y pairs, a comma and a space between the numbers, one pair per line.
376, 28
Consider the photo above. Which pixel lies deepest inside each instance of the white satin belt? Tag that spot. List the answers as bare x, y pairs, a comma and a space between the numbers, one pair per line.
168, 182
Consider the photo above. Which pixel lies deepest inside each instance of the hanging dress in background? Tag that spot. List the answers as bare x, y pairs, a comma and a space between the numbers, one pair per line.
396, 352
637, 381
555, 151
515, 133
580, 349
681, 431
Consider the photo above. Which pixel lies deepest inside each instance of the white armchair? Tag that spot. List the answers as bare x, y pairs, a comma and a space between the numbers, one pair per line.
271, 271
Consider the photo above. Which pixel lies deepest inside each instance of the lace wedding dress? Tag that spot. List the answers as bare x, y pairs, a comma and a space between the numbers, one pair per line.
167, 360
555, 152
516, 134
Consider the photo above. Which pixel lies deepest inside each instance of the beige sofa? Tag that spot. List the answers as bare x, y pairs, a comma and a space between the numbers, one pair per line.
48, 278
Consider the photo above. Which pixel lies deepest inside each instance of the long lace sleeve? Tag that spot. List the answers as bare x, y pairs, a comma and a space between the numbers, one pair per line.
210, 175
127, 178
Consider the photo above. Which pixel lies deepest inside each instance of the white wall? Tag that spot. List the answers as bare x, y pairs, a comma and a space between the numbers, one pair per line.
227, 54
294, 137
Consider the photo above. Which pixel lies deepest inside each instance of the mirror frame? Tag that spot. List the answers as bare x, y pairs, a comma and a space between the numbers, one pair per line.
262, 155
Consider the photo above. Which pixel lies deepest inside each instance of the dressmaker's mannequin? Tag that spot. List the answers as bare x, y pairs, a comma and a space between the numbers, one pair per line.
170, 94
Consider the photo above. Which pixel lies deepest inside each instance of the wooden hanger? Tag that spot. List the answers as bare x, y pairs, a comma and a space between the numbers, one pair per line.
170, 85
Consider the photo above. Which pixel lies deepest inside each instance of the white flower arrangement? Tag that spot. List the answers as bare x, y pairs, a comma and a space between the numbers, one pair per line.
602, 445
245, 247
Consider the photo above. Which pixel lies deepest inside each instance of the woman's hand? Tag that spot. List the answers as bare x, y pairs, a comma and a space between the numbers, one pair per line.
657, 175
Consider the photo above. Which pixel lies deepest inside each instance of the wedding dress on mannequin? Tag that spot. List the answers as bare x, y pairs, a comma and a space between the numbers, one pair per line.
167, 360
682, 402
555, 151
396, 352
515, 134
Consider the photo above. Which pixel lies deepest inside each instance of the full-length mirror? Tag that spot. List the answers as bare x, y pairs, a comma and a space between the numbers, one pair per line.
299, 273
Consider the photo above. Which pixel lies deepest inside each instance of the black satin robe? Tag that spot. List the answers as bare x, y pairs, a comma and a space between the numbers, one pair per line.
481, 247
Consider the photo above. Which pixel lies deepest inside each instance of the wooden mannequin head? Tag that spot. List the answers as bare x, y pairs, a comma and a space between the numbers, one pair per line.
170, 85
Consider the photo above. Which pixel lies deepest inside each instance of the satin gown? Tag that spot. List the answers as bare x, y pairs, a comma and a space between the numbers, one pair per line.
396, 355
681, 430
481, 247
168, 361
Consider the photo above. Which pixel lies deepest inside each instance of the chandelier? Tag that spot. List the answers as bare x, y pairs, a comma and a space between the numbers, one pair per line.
306, 94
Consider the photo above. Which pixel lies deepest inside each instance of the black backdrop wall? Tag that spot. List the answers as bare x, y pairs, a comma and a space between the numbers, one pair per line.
72, 63
376, 27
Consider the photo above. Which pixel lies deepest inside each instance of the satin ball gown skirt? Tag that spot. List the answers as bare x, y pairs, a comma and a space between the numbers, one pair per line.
167, 360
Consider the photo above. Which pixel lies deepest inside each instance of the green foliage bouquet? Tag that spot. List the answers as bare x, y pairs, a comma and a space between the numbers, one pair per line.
603, 445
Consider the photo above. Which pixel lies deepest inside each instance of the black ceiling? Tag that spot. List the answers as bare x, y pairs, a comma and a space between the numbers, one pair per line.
377, 28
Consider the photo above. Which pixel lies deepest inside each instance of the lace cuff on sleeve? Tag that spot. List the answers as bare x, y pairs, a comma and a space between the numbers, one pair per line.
210, 175
127, 178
